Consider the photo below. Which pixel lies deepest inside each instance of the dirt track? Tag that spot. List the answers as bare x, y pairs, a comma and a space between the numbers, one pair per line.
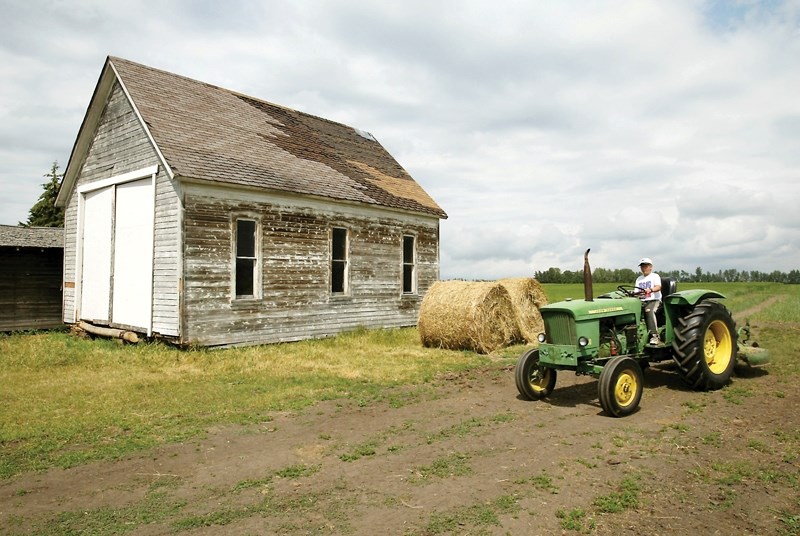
464, 455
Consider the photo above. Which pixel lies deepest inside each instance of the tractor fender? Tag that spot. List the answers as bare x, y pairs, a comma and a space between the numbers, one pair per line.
691, 296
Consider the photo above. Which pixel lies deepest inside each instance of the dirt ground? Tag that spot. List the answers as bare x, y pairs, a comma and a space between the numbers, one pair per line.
462, 455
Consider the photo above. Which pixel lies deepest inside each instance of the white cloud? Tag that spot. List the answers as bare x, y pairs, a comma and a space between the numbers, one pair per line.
666, 129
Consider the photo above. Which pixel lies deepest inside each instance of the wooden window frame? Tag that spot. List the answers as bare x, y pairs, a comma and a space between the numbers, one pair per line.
409, 266
255, 258
339, 267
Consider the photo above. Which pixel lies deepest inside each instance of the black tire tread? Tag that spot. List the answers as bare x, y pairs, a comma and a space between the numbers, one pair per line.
687, 345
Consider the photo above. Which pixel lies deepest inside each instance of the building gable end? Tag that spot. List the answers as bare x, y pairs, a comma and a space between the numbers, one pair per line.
109, 78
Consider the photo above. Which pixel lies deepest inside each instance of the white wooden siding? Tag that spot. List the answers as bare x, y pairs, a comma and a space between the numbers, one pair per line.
120, 145
167, 257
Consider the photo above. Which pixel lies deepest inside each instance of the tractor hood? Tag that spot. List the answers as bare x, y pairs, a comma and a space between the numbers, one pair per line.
606, 305
615, 303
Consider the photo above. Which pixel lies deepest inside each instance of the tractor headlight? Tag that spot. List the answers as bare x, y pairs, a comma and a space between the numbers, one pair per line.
583, 342
541, 337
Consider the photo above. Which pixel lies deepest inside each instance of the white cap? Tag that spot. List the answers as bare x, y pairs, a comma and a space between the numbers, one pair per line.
645, 260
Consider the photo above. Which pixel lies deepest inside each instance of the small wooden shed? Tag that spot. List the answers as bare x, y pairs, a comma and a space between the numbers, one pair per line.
31, 268
204, 216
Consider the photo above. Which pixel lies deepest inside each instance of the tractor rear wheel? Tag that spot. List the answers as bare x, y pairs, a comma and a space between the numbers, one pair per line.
533, 381
705, 346
620, 387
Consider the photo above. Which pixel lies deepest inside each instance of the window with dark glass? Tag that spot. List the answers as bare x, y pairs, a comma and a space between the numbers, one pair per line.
339, 260
246, 258
409, 265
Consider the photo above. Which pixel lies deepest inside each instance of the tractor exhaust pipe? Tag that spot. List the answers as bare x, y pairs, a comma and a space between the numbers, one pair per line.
587, 278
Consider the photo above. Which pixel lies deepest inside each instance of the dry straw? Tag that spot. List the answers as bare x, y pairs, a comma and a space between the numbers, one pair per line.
463, 315
527, 296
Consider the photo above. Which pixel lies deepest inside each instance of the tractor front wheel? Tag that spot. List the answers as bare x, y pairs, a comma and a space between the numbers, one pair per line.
620, 387
704, 347
533, 381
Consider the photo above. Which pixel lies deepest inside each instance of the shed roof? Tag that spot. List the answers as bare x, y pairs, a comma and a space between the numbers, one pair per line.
208, 133
31, 237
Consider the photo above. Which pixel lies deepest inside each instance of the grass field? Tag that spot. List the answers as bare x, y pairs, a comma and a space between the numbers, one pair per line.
66, 400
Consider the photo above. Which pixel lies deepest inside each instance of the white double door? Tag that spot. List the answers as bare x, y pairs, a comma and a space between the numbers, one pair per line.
117, 255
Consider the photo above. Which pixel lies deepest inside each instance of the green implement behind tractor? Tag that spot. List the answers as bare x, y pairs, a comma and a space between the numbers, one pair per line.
607, 338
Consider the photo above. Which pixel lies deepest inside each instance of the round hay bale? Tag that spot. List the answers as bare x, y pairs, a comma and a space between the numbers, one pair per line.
527, 296
465, 315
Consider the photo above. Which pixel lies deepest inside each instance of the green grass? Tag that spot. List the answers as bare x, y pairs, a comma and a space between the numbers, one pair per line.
66, 401
293, 472
542, 482
477, 516
626, 496
575, 520
462, 429
791, 524
447, 466
360, 451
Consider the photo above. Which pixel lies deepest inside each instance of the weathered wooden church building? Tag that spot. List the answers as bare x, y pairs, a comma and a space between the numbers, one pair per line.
207, 217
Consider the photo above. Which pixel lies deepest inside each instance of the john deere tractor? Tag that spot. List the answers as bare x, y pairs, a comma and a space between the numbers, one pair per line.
606, 337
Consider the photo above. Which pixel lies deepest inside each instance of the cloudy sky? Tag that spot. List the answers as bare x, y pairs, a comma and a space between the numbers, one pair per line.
666, 129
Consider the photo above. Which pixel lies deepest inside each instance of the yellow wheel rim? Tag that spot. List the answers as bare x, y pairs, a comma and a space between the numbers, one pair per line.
718, 346
539, 379
625, 389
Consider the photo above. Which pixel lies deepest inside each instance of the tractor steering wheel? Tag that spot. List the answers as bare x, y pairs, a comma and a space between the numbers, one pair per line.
630, 290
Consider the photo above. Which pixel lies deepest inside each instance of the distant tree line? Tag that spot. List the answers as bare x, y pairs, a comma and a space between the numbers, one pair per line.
626, 275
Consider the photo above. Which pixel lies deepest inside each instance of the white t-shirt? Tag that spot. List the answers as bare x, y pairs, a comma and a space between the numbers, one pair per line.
649, 281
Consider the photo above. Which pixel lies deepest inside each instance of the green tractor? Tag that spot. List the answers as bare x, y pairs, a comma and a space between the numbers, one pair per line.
607, 338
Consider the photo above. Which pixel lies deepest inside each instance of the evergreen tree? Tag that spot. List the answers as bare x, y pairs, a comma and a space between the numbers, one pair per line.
45, 213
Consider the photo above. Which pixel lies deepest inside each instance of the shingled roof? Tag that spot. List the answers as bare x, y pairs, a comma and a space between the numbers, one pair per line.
208, 133
31, 237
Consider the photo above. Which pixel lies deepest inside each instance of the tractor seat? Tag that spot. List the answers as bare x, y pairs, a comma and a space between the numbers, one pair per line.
669, 285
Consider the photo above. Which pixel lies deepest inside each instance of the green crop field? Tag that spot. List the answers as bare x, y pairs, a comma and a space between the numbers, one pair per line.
67, 400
